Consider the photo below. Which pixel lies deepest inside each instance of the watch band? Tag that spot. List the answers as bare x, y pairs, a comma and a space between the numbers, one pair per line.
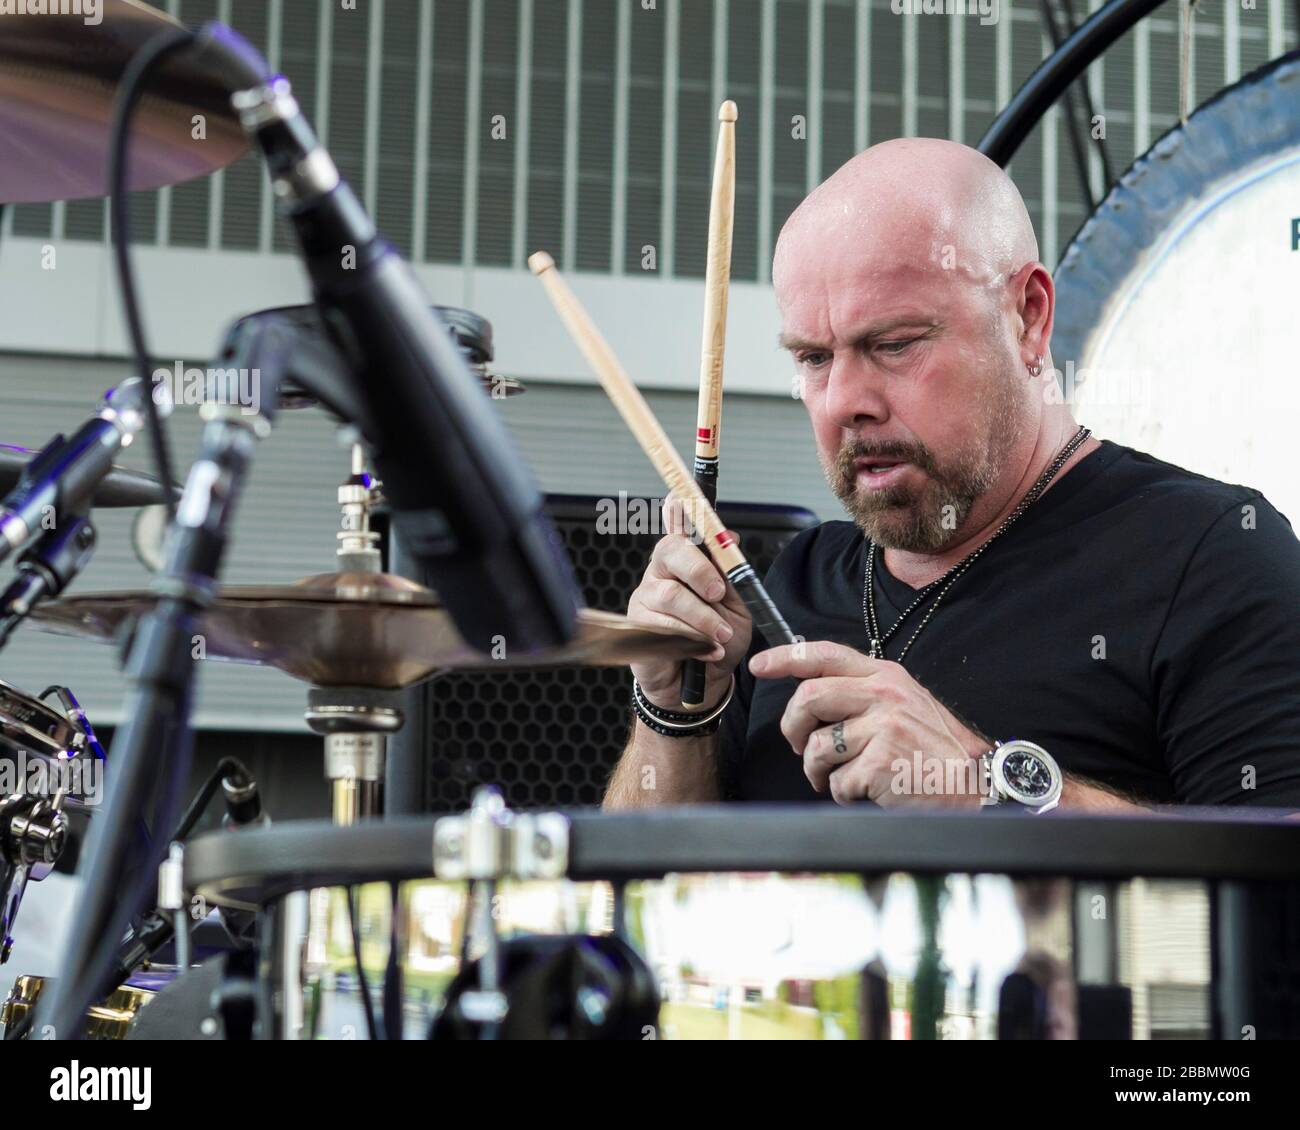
679, 723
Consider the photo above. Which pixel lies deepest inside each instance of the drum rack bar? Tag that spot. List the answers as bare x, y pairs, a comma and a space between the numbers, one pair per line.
256, 866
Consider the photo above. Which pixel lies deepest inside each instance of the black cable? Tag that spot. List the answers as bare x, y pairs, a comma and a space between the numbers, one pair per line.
1072, 25
1071, 121
393, 991
226, 767
367, 1001
143, 63
94, 945
158, 726
1038, 92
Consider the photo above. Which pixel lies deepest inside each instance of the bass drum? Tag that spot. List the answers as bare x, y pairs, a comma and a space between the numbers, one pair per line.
1175, 325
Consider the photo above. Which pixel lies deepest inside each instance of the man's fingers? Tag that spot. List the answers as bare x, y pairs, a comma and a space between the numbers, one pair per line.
813, 661
673, 516
832, 749
676, 515
672, 598
821, 702
676, 558
647, 615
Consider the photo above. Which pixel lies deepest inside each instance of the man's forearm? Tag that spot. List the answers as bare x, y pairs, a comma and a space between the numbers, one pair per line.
656, 770
1079, 795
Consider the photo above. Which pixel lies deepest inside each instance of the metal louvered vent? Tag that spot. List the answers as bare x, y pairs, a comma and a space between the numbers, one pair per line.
551, 738
477, 130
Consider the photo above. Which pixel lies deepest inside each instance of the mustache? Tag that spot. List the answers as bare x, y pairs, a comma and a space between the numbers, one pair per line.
853, 450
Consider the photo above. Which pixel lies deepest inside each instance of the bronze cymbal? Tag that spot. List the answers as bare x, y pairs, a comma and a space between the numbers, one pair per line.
58, 79
121, 487
360, 630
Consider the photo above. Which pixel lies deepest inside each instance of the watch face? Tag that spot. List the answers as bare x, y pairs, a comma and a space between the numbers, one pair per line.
1027, 774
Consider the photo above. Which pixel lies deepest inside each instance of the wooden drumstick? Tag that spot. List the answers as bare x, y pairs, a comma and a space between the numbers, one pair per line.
654, 442
717, 280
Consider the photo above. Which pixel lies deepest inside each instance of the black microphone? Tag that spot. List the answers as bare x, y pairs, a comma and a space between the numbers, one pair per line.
62, 478
463, 501
45, 570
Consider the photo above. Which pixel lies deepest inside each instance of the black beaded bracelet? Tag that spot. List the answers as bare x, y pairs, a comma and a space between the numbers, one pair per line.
675, 723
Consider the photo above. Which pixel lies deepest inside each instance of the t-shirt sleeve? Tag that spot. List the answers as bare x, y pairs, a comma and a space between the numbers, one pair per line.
1226, 664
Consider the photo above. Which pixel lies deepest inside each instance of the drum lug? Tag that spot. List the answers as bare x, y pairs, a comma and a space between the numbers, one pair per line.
490, 842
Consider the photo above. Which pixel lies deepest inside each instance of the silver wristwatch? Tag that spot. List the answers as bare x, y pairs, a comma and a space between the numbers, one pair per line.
1023, 773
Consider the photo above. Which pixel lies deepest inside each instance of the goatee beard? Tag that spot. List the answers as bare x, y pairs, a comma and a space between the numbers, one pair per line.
921, 519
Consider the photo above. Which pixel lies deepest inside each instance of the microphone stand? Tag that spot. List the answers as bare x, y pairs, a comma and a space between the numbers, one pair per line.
155, 742
46, 569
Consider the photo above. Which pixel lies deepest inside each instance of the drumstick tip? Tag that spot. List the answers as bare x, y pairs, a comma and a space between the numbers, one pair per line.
539, 262
728, 112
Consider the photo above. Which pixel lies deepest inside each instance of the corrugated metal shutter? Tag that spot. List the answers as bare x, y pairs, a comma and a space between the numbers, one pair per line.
358, 73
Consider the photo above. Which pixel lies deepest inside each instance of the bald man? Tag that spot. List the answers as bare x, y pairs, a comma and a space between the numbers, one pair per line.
1018, 613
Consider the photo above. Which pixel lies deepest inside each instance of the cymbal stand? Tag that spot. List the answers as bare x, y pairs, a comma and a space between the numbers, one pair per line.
481, 847
355, 721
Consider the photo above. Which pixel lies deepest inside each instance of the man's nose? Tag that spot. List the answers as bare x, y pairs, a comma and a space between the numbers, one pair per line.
854, 395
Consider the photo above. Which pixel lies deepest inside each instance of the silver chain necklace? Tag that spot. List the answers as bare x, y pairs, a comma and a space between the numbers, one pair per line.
878, 641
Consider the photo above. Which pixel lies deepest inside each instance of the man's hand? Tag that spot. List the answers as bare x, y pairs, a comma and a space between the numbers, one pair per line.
887, 718
682, 588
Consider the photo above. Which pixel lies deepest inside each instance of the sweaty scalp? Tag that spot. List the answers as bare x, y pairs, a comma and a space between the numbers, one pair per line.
922, 203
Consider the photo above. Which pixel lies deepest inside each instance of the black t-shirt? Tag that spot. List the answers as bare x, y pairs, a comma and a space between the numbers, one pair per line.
1139, 622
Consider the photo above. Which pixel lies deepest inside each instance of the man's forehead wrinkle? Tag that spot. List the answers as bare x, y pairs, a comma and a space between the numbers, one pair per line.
853, 320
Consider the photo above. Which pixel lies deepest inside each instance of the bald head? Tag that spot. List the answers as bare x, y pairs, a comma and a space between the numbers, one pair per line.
916, 204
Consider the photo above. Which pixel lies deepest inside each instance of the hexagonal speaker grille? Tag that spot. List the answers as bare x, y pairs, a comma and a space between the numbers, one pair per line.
550, 738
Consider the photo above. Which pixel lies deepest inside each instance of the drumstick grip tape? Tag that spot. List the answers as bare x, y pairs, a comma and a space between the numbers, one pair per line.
693, 671
768, 621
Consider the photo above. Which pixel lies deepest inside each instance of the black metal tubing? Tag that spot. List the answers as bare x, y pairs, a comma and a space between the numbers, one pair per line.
1056, 72
1077, 147
255, 866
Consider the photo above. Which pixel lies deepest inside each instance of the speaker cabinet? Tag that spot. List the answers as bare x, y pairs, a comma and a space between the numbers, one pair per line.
549, 738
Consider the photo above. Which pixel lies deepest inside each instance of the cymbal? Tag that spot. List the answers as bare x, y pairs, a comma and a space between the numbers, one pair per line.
360, 630
120, 488
58, 78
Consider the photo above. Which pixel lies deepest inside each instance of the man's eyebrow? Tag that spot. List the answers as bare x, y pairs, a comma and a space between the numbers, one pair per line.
867, 333
785, 341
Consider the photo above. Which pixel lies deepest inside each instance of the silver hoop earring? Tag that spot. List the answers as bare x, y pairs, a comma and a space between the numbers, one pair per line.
1036, 369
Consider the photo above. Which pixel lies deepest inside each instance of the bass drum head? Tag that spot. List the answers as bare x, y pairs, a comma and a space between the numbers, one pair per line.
1176, 326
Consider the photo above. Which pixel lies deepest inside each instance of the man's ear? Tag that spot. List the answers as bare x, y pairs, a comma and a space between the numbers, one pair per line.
1035, 296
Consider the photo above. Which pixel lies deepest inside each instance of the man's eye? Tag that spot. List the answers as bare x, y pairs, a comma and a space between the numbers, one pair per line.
894, 348
814, 359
